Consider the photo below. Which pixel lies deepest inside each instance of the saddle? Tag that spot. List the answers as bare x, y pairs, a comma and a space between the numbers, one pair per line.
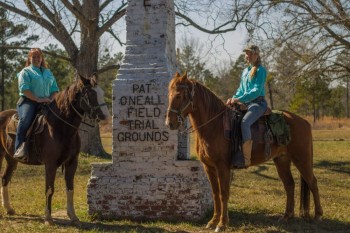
268, 129
36, 128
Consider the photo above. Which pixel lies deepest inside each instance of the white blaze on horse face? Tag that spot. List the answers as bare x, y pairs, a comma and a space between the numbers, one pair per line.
100, 100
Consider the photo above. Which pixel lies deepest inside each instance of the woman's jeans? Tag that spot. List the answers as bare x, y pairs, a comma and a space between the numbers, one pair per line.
256, 109
26, 112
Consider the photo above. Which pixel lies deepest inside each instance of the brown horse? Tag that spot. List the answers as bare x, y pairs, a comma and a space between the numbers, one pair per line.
58, 144
204, 108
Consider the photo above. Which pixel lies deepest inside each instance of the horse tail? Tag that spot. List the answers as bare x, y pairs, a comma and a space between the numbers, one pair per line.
304, 198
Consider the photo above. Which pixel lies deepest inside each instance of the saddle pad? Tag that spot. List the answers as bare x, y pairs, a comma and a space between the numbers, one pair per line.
11, 127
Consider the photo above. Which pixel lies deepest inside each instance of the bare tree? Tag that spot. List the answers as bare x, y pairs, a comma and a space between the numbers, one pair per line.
78, 26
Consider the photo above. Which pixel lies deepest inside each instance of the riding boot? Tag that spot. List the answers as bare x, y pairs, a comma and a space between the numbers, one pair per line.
22, 153
247, 152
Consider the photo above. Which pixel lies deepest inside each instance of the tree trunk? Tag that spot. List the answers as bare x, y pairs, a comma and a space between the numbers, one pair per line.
91, 141
347, 98
2, 79
269, 86
86, 65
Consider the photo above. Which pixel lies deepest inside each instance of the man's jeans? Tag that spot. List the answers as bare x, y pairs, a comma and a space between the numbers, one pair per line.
256, 109
26, 113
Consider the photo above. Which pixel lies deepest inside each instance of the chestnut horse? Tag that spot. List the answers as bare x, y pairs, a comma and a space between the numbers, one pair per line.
58, 144
205, 111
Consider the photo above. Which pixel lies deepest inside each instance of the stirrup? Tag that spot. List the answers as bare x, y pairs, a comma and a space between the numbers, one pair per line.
21, 153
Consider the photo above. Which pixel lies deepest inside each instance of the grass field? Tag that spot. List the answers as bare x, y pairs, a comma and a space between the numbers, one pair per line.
257, 197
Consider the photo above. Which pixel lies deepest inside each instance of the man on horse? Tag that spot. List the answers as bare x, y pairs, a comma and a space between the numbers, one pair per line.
251, 92
36, 85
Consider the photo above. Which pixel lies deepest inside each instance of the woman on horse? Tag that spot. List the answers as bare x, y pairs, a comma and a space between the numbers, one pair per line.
36, 85
251, 92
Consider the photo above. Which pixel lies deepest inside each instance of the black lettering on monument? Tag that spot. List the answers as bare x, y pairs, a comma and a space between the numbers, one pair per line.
165, 136
138, 108
156, 112
123, 100
143, 88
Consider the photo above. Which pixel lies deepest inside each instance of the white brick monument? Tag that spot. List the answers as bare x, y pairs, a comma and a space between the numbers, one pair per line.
146, 180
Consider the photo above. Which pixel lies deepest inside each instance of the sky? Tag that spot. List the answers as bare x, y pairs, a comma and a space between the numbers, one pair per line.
216, 51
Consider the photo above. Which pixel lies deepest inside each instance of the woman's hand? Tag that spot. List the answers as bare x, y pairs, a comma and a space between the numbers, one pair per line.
43, 100
232, 101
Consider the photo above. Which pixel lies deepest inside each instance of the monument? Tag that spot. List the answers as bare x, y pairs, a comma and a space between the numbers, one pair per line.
146, 179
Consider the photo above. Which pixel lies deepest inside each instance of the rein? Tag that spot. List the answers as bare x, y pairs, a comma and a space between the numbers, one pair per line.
82, 116
73, 126
191, 129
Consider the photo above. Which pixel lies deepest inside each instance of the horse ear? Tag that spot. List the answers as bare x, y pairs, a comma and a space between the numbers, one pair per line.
184, 76
93, 79
84, 80
177, 75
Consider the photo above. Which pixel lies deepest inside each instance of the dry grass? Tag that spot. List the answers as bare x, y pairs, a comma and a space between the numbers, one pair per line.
257, 198
329, 123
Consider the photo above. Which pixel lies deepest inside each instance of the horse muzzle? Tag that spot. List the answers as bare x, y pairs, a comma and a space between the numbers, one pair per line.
173, 125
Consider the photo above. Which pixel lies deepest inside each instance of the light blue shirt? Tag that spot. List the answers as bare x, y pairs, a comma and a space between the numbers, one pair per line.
40, 81
251, 88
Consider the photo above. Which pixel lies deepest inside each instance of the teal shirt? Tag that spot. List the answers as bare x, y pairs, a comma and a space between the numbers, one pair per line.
40, 81
249, 89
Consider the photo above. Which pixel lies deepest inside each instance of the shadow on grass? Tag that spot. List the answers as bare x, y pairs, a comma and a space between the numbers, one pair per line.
239, 222
336, 166
270, 223
261, 169
106, 226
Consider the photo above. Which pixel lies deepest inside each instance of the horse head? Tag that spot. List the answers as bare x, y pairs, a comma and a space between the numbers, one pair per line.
180, 100
90, 99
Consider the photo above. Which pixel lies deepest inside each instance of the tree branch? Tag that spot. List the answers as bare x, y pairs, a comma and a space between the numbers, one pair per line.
119, 13
44, 51
107, 68
75, 11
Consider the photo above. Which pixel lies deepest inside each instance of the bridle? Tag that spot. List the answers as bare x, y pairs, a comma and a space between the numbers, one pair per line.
180, 113
83, 99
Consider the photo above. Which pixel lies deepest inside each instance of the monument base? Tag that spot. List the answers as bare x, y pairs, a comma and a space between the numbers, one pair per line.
176, 193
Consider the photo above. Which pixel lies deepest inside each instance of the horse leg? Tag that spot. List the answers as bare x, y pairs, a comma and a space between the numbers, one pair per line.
284, 172
11, 166
212, 176
50, 175
224, 187
309, 178
69, 172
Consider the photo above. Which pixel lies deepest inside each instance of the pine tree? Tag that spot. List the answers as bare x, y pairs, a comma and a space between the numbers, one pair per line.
10, 60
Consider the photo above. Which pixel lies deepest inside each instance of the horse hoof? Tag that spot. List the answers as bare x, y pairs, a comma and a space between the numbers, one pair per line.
220, 228
210, 226
11, 212
318, 219
49, 222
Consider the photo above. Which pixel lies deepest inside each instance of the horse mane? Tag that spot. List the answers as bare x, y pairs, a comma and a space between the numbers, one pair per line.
212, 102
210, 99
65, 97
